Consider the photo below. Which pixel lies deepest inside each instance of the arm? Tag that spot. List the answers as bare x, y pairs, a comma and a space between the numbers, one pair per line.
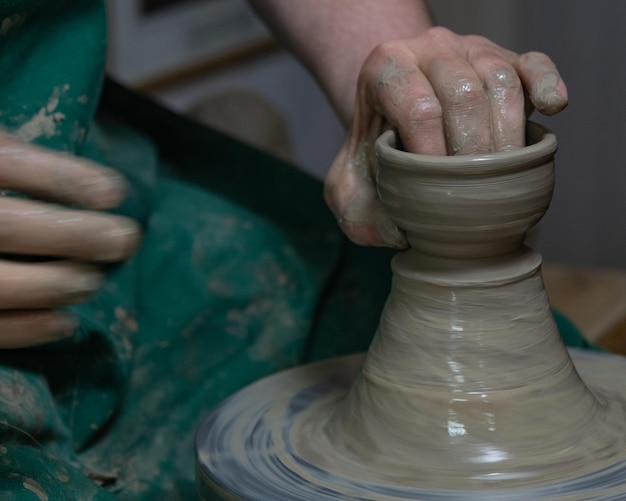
383, 66
334, 37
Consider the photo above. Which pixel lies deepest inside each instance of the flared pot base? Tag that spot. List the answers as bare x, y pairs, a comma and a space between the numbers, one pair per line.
253, 447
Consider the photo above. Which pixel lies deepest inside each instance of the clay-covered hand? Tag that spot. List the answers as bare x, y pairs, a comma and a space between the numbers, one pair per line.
76, 240
445, 94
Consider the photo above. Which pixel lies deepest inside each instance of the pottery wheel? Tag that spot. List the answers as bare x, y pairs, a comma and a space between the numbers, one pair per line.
246, 451
466, 392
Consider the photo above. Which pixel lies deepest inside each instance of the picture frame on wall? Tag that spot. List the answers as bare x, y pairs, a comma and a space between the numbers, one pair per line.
152, 42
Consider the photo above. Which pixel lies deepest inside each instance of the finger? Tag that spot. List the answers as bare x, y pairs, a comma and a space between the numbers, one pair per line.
401, 93
351, 194
546, 88
46, 285
365, 222
57, 177
464, 103
506, 100
35, 228
21, 329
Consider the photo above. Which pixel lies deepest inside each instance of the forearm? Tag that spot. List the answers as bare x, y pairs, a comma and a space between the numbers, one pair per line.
334, 37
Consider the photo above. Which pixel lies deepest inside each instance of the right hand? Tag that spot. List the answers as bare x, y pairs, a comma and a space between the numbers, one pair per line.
79, 240
445, 94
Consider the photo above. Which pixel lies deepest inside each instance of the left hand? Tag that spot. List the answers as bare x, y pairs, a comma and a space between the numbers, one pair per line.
445, 94
75, 242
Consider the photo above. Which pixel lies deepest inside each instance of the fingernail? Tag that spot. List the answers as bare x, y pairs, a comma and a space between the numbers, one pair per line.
84, 284
66, 326
550, 99
390, 234
121, 242
108, 192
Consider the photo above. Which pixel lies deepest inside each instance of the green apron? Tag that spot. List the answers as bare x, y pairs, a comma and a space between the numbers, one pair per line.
242, 273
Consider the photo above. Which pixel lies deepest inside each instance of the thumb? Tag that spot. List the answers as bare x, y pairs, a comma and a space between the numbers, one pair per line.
351, 194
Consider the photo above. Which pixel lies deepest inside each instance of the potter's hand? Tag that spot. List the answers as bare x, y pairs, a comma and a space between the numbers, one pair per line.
445, 94
77, 239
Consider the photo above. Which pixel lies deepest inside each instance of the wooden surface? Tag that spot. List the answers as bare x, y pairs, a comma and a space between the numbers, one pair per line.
593, 299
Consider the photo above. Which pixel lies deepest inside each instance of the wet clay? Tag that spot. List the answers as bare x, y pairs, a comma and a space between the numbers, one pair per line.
246, 450
466, 386
467, 383
467, 391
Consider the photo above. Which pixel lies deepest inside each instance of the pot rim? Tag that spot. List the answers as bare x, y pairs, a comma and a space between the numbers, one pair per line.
542, 149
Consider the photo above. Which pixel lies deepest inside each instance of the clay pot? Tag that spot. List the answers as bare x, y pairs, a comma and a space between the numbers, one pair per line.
466, 392
467, 383
467, 206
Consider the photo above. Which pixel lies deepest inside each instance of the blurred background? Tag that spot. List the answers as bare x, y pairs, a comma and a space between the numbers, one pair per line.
213, 59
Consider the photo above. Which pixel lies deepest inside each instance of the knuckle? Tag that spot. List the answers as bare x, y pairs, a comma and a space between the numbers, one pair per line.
382, 57
387, 48
441, 35
466, 91
534, 56
425, 109
502, 79
378, 57
479, 40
